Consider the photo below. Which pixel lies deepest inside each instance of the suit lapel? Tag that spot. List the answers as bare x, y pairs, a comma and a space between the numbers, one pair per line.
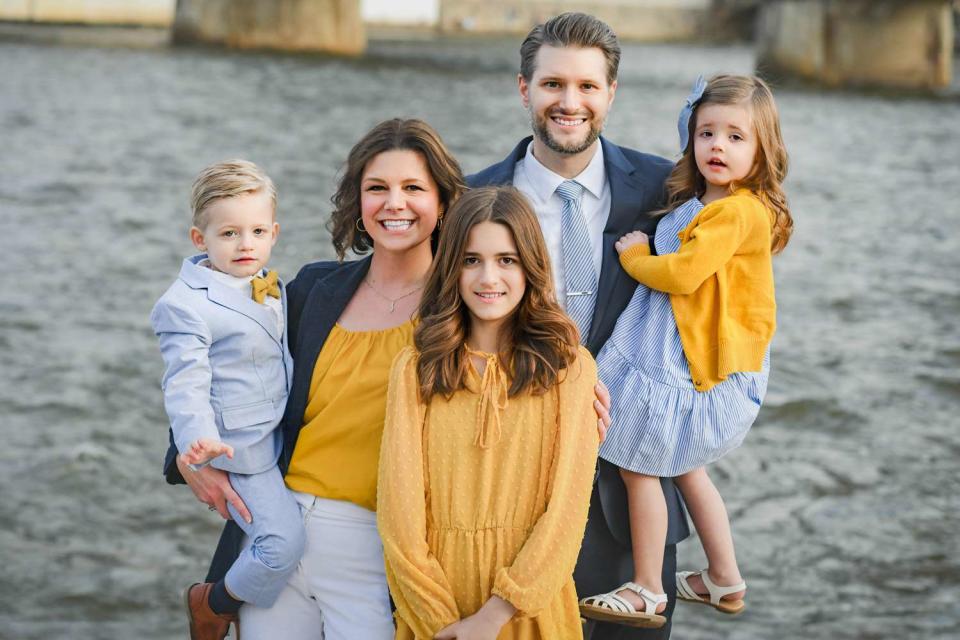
198, 277
324, 304
233, 299
626, 198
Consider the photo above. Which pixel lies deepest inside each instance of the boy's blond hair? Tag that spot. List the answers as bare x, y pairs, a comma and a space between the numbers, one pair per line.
227, 179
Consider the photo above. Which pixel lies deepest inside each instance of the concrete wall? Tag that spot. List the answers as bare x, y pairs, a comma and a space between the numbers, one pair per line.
631, 19
333, 26
901, 44
420, 13
154, 13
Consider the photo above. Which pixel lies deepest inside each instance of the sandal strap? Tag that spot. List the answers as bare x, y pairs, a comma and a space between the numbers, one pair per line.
650, 599
684, 590
716, 591
611, 601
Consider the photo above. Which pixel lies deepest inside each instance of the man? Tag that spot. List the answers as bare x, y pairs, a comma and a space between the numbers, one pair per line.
587, 192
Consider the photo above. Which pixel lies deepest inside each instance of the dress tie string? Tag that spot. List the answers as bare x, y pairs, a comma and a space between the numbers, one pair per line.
494, 389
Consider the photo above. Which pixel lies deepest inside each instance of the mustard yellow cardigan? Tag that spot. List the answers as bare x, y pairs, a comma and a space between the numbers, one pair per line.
720, 283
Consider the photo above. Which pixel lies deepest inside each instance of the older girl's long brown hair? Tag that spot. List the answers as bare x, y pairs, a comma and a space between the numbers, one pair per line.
769, 170
540, 338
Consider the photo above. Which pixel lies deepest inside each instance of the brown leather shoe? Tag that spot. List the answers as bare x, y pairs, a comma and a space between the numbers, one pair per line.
204, 623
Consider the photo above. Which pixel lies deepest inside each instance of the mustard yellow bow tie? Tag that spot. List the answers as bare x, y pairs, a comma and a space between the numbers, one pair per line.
263, 287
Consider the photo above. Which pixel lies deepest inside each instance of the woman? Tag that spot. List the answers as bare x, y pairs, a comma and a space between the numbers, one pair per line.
346, 322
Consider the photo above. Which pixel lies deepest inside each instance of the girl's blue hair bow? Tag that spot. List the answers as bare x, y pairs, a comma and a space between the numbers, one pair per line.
683, 124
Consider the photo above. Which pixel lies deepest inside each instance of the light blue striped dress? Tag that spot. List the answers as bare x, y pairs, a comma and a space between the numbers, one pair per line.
662, 426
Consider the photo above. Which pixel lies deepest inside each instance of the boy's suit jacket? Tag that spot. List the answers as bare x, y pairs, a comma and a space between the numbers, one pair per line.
228, 370
636, 189
315, 300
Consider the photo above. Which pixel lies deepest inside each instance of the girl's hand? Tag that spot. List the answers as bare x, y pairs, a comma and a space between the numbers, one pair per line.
632, 238
204, 450
471, 628
485, 624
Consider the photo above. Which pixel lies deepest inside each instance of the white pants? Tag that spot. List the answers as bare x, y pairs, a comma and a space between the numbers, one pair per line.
339, 590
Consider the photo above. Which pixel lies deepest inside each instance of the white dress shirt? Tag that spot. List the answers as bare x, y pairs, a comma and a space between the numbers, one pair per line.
539, 184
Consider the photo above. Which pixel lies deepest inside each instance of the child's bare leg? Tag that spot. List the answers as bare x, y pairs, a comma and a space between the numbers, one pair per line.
713, 525
648, 533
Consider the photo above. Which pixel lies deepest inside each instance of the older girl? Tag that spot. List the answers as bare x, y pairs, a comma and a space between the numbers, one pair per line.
489, 448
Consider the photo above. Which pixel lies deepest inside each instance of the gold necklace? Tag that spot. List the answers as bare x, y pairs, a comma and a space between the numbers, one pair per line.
393, 301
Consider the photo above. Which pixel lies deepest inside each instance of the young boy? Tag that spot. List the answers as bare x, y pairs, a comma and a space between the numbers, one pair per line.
228, 372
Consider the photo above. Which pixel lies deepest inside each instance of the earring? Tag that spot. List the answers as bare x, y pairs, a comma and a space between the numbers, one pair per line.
359, 225
440, 217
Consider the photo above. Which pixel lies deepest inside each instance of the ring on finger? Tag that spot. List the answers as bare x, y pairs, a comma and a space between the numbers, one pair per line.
211, 508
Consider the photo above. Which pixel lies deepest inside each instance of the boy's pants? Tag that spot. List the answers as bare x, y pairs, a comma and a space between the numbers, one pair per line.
275, 538
339, 592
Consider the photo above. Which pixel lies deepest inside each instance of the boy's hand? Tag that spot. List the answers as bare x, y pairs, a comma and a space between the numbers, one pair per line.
205, 450
212, 487
632, 238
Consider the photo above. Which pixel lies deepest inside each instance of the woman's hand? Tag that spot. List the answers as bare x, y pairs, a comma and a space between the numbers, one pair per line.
602, 406
212, 487
485, 624
632, 238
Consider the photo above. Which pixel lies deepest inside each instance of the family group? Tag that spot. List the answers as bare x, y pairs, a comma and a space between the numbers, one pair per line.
504, 408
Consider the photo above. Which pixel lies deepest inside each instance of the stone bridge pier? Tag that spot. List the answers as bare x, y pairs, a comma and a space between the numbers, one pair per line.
333, 26
896, 44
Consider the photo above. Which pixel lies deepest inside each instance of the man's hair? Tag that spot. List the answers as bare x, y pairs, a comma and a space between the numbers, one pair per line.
571, 30
227, 179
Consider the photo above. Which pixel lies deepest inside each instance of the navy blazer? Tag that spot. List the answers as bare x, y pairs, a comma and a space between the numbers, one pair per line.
636, 189
316, 298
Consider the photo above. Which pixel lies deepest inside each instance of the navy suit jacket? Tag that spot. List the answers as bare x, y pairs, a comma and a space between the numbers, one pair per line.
316, 298
636, 189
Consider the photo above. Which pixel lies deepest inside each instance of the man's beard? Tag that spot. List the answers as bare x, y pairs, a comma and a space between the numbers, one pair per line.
542, 132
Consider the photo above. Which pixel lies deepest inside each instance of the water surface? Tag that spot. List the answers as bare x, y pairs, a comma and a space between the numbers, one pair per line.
843, 499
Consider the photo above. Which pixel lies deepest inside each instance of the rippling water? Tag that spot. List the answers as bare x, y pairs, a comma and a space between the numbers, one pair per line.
844, 498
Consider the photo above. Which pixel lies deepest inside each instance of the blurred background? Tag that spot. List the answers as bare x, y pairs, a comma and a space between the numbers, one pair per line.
844, 499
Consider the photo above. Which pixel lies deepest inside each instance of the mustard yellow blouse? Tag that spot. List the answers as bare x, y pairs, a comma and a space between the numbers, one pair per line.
486, 495
338, 447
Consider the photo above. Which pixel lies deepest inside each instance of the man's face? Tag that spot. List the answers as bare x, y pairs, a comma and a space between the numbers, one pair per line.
568, 97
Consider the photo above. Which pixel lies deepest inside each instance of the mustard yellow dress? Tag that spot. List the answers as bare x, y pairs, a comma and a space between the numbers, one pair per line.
482, 495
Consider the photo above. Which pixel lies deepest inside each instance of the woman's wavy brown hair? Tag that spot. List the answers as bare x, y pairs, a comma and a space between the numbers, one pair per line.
390, 135
769, 169
541, 339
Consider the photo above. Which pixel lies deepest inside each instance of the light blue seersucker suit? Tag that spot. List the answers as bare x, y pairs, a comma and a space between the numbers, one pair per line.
227, 377
228, 370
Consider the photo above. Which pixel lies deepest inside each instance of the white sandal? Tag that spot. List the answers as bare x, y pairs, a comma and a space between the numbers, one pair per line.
609, 607
686, 593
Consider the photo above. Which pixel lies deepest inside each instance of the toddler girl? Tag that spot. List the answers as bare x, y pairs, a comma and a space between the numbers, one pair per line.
688, 361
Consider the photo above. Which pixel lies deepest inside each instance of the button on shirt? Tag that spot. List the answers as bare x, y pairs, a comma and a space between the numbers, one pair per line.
540, 184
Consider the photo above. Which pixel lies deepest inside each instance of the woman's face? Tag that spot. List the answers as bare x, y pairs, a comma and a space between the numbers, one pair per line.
399, 200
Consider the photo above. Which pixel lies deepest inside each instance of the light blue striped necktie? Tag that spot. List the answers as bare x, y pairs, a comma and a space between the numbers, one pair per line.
579, 274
